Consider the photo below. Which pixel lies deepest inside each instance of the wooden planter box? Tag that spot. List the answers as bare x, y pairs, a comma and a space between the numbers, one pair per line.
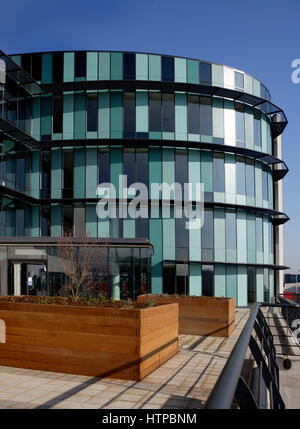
201, 315
118, 343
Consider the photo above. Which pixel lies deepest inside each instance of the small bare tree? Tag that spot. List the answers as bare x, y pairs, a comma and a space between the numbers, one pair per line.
77, 258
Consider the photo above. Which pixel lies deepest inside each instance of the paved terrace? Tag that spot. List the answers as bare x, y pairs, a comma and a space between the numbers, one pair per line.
185, 381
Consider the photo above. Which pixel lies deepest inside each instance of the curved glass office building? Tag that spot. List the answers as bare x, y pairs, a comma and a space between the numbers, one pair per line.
72, 120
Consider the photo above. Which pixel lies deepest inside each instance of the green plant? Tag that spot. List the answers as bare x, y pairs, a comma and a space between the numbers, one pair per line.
150, 302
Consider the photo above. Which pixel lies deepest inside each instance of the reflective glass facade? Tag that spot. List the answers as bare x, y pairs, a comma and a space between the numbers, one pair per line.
155, 119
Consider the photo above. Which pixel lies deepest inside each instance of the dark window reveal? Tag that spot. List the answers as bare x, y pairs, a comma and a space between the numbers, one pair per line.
92, 111
128, 66
167, 69
80, 64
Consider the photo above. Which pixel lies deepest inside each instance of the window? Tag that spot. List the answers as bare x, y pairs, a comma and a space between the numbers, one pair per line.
129, 114
80, 64
240, 176
182, 279
250, 178
266, 285
230, 229
37, 67
169, 275
68, 220
167, 69
20, 221
181, 167
259, 234
208, 235
251, 275
57, 102
92, 111
21, 171
257, 131
205, 116
265, 183
57, 66
128, 66
45, 221
129, 165
193, 114
240, 124
68, 163
46, 174
142, 166
154, 111
239, 80
207, 280
181, 240
205, 73
168, 113
104, 165
26, 63
219, 172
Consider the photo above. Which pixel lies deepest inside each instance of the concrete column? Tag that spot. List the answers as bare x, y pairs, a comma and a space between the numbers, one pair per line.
17, 279
278, 230
115, 282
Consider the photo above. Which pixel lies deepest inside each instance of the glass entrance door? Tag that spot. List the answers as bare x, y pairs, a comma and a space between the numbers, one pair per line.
34, 279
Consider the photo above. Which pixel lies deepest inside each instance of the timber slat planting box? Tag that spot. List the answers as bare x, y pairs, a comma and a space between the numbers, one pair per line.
106, 342
200, 315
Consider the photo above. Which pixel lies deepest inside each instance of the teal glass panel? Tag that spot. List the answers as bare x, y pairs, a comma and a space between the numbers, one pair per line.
263, 123
92, 66
231, 282
10, 222
79, 172
69, 66
56, 227
141, 66
180, 70
169, 238
154, 67
104, 66
180, 116
116, 65
249, 127
220, 281
115, 166
91, 220
258, 184
142, 112
129, 228
193, 71
168, 165
103, 227
206, 170
194, 163
242, 295
266, 239
218, 118
217, 75
16, 59
46, 116
116, 115
28, 172
270, 189
46, 68
68, 116
36, 118
103, 115
155, 172
195, 279
219, 234
80, 115
271, 283
35, 221
259, 284
256, 87
56, 173
35, 174
195, 244
156, 240
27, 222
241, 236
91, 172
248, 84
251, 238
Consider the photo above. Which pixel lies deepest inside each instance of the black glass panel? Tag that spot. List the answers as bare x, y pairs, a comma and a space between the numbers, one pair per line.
169, 278
68, 219
46, 174
168, 109
104, 165
92, 111
207, 280
205, 116
154, 111
167, 69
128, 66
57, 113
193, 114
129, 114
37, 67
80, 64
251, 285
205, 73
57, 66
68, 162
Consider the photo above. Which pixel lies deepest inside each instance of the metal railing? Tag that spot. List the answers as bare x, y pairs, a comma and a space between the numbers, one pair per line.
263, 389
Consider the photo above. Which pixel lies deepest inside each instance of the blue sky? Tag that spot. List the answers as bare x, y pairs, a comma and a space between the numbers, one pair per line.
260, 37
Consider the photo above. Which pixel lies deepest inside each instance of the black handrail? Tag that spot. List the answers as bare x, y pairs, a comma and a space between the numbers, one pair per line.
264, 390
